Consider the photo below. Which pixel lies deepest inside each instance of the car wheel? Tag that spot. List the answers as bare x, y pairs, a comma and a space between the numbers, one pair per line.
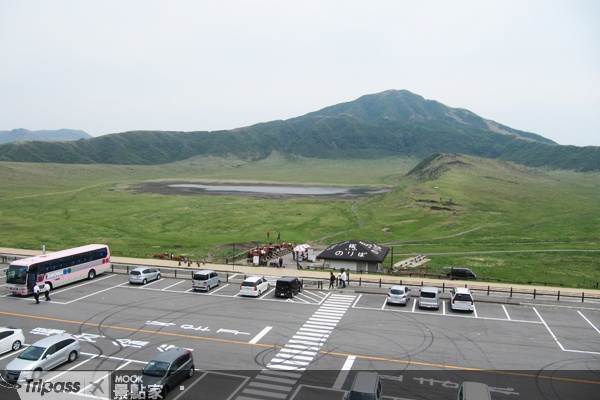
72, 356
91, 274
158, 277
259, 293
218, 283
190, 372
291, 295
37, 374
144, 282
16, 345
165, 390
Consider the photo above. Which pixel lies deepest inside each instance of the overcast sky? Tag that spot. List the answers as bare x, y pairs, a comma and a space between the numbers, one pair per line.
192, 65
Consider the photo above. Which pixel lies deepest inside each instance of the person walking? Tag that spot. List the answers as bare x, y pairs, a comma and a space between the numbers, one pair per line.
36, 294
47, 291
331, 280
338, 281
344, 277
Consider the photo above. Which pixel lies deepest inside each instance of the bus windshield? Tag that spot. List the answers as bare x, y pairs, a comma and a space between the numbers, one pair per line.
16, 274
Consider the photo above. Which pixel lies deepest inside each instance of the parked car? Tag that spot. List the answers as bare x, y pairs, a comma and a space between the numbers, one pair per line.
11, 339
144, 275
254, 286
474, 391
429, 297
461, 299
43, 355
205, 280
167, 369
366, 386
288, 286
461, 273
398, 295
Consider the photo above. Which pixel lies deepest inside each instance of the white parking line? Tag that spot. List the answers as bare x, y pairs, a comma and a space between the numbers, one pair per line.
260, 335
506, 312
588, 321
89, 295
175, 284
339, 382
549, 330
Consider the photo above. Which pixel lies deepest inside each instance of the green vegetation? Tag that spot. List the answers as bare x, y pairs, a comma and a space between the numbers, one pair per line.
388, 124
459, 210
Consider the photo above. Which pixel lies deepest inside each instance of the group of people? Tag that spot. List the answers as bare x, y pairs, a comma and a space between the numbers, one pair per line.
342, 279
36, 292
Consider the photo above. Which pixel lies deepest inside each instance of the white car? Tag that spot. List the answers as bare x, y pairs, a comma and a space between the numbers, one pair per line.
43, 355
11, 339
254, 286
144, 275
461, 299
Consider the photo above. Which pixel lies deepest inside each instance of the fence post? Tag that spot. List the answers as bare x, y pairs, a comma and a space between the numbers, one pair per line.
511, 292
558, 296
360, 281
379, 282
534, 293
488, 292
175, 272
443, 287
582, 296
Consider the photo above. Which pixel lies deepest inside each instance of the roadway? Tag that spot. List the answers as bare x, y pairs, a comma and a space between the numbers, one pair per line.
311, 346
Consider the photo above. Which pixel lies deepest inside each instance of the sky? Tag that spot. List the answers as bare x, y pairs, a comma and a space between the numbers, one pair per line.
193, 65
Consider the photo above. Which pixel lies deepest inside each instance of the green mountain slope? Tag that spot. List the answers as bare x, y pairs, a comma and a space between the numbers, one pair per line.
392, 123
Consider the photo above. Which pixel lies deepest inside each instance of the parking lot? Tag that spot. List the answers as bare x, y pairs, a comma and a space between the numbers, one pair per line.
312, 344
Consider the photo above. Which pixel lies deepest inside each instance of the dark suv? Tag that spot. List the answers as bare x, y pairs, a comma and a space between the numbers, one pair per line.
167, 369
288, 286
461, 273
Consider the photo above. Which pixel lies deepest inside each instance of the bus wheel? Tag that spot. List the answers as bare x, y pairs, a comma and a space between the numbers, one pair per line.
91, 274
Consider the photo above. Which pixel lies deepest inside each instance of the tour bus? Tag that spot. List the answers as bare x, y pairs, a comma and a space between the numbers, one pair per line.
58, 268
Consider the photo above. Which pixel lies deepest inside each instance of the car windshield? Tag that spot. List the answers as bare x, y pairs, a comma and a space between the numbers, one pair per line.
397, 291
135, 273
16, 274
429, 295
462, 297
156, 368
32, 353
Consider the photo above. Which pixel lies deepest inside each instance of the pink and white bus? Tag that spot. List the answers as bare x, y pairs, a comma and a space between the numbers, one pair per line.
57, 268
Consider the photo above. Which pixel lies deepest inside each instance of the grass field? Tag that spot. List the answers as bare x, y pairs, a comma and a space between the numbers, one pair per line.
504, 221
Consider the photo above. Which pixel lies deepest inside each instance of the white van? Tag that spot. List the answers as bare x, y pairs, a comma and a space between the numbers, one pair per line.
429, 297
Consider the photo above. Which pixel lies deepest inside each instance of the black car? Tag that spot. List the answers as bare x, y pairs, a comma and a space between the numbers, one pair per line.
288, 286
461, 273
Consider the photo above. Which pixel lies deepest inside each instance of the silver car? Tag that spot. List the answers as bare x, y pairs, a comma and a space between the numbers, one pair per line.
205, 280
398, 295
144, 275
43, 355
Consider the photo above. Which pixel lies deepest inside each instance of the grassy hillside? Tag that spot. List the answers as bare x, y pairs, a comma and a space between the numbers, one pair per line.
389, 124
460, 210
